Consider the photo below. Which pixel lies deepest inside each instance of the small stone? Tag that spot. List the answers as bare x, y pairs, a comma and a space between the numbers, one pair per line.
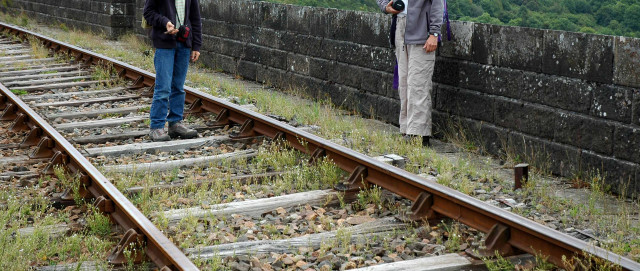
281, 211
288, 260
300, 264
348, 265
480, 192
378, 251
370, 262
357, 220
326, 267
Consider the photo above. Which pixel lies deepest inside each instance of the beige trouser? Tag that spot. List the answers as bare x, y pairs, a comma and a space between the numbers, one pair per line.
415, 69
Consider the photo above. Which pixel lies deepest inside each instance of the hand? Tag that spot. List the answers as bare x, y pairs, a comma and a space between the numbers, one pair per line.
390, 9
171, 29
431, 44
194, 56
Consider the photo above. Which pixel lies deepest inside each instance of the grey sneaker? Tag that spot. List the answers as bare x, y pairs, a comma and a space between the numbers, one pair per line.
159, 135
180, 130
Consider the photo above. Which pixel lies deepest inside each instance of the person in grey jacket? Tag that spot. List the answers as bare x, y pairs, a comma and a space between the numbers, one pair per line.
414, 34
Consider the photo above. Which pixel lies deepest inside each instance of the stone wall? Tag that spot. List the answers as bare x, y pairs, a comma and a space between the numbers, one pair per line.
110, 17
571, 99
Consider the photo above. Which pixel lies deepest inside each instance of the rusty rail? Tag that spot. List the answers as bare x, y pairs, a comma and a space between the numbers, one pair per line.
508, 233
51, 144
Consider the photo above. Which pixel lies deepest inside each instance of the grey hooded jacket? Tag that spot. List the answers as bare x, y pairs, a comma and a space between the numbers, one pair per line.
423, 17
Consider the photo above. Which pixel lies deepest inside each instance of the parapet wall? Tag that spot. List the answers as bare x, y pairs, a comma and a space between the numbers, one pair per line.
570, 99
110, 17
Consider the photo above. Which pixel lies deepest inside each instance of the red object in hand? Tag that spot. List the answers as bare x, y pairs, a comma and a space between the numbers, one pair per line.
183, 33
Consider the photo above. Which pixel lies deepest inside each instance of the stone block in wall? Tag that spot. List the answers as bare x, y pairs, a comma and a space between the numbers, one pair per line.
447, 71
584, 132
377, 82
578, 55
298, 63
466, 103
626, 63
566, 93
491, 79
508, 46
461, 39
301, 44
558, 158
319, 68
635, 111
370, 28
612, 102
273, 15
345, 74
247, 70
388, 109
626, 143
528, 118
620, 176
298, 19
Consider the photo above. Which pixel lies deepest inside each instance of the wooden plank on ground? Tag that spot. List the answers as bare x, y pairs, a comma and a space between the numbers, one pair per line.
28, 98
31, 60
256, 207
154, 147
242, 179
14, 57
97, 113
97, 139
98, 123
90, 101
362, 232
15, 71
63, 85
447, 262
46, 81
53, 230
45, 75
175, 164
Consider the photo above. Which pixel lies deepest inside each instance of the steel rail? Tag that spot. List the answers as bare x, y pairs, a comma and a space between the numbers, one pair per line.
158, 248
512, 230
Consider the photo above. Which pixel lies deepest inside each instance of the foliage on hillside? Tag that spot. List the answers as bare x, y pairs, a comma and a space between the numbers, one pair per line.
611, 17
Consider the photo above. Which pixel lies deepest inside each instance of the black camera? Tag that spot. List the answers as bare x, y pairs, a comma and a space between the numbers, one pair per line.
398, 5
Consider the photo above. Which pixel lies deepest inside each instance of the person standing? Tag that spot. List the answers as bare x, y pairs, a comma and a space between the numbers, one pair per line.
414, 34
171, 62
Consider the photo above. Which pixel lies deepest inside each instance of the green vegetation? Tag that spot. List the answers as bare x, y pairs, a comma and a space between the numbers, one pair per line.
591, 16
19, 92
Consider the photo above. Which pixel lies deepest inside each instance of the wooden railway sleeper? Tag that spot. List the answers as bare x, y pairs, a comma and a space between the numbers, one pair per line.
129, 248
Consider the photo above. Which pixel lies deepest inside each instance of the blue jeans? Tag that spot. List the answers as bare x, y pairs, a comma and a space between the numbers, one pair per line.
168, 94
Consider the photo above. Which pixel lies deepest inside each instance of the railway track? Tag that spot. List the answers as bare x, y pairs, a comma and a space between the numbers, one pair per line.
249, 192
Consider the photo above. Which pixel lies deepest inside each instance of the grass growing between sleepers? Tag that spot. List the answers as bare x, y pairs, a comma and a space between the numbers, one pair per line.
618, 231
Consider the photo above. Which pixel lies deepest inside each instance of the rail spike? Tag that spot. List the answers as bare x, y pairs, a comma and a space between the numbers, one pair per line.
497, 241
129, 248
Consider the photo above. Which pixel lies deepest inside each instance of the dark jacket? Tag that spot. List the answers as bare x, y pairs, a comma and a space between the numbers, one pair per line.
159, 12
424, 18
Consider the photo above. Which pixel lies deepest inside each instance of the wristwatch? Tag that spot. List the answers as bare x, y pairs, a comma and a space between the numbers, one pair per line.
435, 34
